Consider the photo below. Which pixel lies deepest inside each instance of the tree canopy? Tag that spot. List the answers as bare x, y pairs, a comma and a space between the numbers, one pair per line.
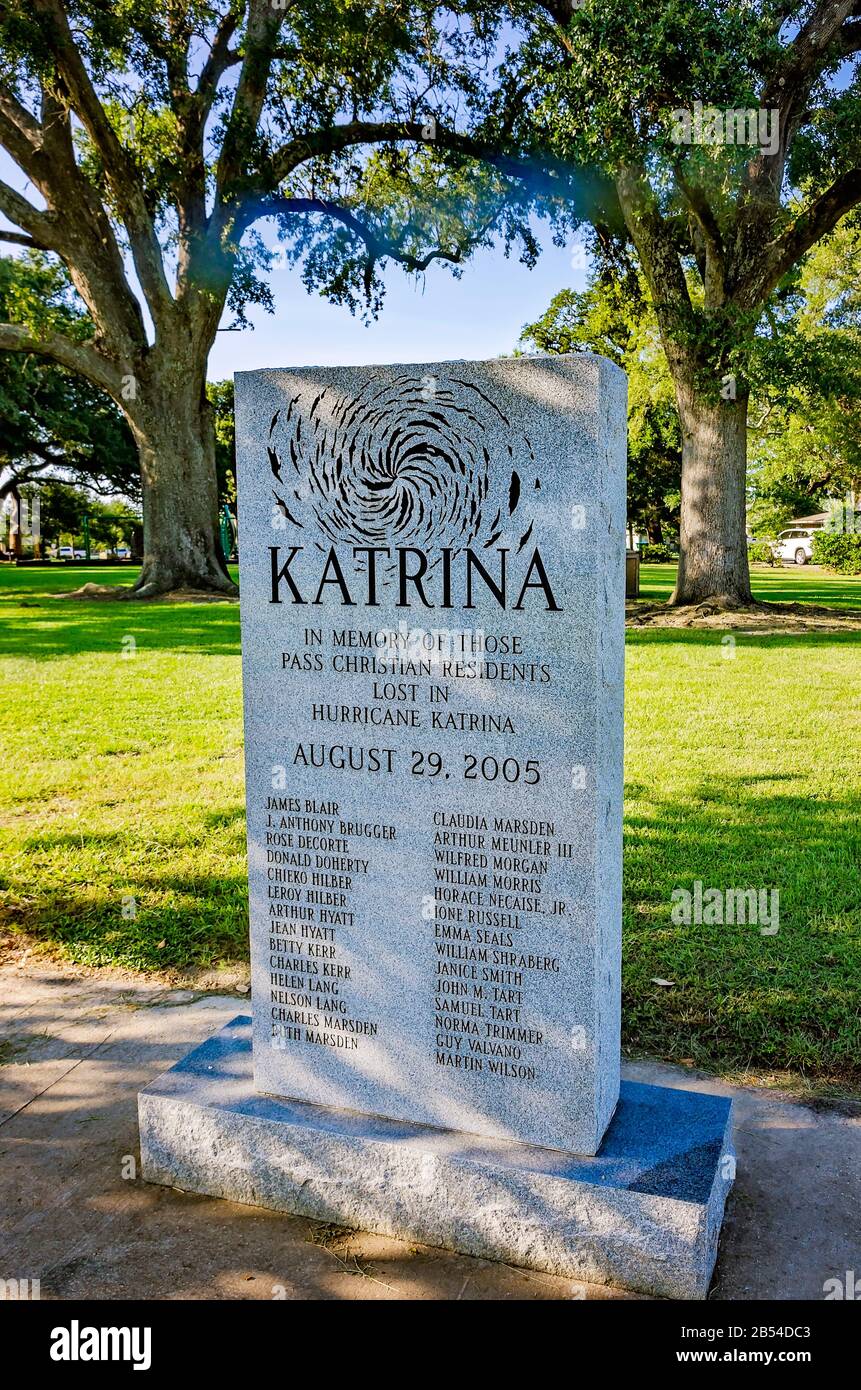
53, 422
806, 419
804, 369
152, 138
718, 139
728, 139
614, 317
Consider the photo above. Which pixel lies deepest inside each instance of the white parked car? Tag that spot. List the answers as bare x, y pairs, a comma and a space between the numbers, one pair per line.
795, 545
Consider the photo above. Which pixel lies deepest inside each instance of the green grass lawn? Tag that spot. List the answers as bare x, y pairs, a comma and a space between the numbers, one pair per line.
123, 823
791, 584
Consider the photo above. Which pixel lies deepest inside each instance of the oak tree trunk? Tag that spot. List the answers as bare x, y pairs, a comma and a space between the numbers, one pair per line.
173, 427
713, 539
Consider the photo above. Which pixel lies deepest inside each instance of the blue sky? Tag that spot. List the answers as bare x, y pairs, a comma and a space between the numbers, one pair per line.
430, 318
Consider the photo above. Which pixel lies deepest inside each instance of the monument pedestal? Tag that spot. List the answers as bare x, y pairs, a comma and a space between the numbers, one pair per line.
643, 1214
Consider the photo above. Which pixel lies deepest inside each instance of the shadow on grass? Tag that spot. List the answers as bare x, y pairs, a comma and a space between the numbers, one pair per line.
106, 841
704, 637
63, 627
740, 998
791, 584
830, 592
204, 923
142, 916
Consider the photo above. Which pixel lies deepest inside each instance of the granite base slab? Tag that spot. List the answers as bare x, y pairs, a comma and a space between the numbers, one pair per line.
643, 1214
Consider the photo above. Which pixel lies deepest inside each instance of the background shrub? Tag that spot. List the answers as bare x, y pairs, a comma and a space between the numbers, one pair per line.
760, 553
659, 555
840, 550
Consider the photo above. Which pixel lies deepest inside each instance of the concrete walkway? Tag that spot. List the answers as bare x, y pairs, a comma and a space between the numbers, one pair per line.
75, 1048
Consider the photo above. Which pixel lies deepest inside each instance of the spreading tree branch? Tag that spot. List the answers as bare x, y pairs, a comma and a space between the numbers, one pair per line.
193, 110
21, 239
118, 165
221, 57
546, 173
377, 245
788, 91
82, 357
261, 37
659, 257
712, 263
815, 222
19, 130
40, 226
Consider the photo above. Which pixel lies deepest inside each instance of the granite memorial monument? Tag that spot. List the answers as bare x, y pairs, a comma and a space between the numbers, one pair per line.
432, 575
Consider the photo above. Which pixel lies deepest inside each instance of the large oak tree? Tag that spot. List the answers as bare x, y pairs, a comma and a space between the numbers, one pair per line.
719, 227
151, 137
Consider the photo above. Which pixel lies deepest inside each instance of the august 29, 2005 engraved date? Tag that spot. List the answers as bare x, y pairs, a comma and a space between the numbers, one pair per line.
347, 757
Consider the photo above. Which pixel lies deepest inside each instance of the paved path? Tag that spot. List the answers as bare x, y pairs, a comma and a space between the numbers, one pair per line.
75, 1048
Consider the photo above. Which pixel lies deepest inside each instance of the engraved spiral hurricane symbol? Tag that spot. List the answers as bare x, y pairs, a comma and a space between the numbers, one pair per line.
403, 463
